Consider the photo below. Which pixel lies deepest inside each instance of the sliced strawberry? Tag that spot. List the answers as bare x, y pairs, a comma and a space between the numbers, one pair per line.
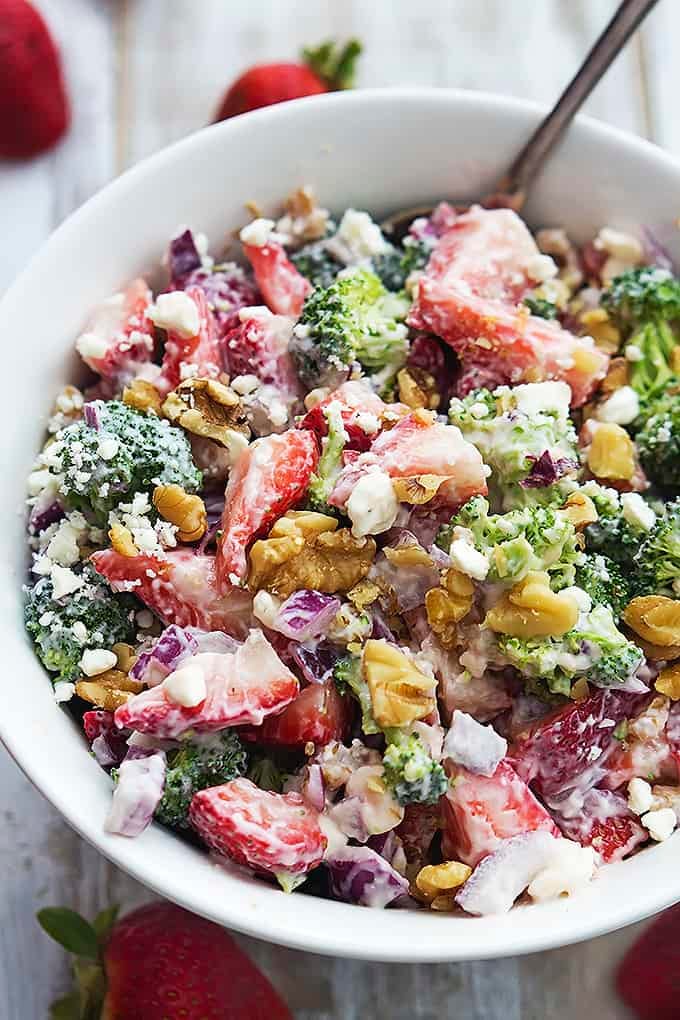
361, 410
270, 832
119, 338
417, 829
180, 588
647, 977
283, 287
646, 749
556, 749
481, 811
200, 352
243, 688
269, 478
258, 346
605, 822
318, 715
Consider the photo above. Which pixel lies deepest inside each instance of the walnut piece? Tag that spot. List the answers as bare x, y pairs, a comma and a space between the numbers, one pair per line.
668, 682
655, 618
447, 605
185, 511
580, 510
418, 388
121, 540
436, 879
208, 408
143, 396
611, 454
597, 324
400, 693
418, 489
532, 609
109, 690
306, 550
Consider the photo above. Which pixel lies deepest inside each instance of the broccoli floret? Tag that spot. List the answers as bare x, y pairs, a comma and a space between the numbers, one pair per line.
539, 306
657, 563
411, 773
348, 679
611, 535
330, 462
525, 436
265, 773
196, 766
645, 304
355, 320
530, 538
658, 440
99, 468
594, 648
395, 266
316, 263
604, 581
92, 616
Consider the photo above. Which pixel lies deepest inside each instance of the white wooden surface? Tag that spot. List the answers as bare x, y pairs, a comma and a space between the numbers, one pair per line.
143, 73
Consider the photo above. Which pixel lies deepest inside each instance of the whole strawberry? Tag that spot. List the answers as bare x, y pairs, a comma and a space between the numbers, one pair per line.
34, 108
648, 977
324, 69
158, 963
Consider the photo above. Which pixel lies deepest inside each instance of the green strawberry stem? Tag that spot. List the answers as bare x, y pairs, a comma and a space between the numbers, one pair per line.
85, 942
336, 66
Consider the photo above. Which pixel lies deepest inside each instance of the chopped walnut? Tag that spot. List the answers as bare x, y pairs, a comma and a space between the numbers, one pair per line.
109, 690
596, 323
418, 489
400, 693
418, 388
611, 454
434, 881
143, 396
655, 618
303, 219
580, 510
447, 605
121, 540
532, 609
185, 511
209, 409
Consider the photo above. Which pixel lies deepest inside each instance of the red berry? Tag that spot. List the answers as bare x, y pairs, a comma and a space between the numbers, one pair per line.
271, 832
34, 108
283, 286
604, 822
318, 715
201, 351
268, 84
647, 977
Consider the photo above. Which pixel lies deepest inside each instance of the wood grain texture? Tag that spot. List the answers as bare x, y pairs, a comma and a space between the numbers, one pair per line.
144, 73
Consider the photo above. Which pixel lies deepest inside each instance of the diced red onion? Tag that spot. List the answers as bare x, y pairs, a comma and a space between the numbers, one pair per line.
546, 470
499, 879
173, 645
313, 787
360, 875
306, 614
92, 415
44, 512
183, 256
316, 663
141, 779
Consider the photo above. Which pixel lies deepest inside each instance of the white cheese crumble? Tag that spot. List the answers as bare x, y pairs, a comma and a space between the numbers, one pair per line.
97, 660
176, 312
357, 239
372, 506
572, 868
465, 557
660, 823
476, 747
545, 396
266, 608
640, 796
79, 631
636, 511
633, 353
540, 268
144, 618
63, 691
186, 686
619, 244
580, 597
244, 384
64, 581
367, 422
257, 233
621, 408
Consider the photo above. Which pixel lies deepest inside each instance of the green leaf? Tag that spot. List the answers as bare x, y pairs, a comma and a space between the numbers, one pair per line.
104, 921
67, 1008
70, 930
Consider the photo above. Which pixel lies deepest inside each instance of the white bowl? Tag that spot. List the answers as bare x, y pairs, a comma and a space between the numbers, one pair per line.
377, 150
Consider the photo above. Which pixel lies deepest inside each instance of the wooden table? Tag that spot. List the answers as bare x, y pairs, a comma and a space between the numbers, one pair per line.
144, 73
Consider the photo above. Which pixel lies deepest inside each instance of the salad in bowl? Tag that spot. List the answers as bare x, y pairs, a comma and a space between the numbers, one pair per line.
357, 560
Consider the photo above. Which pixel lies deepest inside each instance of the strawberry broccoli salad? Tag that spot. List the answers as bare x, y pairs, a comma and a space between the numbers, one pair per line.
358, 558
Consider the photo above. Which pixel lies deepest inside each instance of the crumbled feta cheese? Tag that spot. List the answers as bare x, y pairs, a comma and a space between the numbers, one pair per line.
176, 312
63, 691
63, 547
266, 608
546, 396
572, 868
633, 353
367, 422
91, 347
187, 370
372, 506
465, 557
79, 631
108, 448
660, 823
357, 239
621, 408
622, 246
244, 384
38, 481
46, 619
186, 686
257, 233
144, 618
636, 511
350, 625
97, 660
640, 796
479, 410
580, 597
540, 268
476, 747
64, 581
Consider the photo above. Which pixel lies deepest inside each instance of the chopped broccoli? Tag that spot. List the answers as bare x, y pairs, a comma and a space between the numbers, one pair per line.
530, 538
99, 468
594, 648
92, 616
645, 304
517, 430
611, 535
316, 263
348, 678
330, 462
195, 766
657, 563
410, 771
355, 320
265, 773
395, 266
658, 441
604, 581
539, 306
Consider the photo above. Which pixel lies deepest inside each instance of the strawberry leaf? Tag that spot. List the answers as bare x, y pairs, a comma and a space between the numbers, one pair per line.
104, 921
67, 1008
70, 930
336, 67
